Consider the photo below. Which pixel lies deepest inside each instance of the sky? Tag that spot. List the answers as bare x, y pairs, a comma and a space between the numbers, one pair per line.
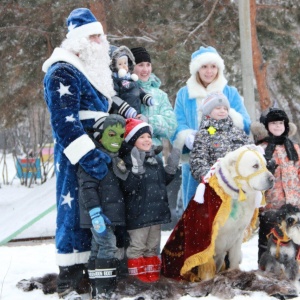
23, 260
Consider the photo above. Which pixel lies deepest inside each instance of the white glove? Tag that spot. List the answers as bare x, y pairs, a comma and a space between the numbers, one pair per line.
189, 140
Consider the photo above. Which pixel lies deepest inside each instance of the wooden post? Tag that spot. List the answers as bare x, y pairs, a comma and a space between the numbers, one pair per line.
246, 57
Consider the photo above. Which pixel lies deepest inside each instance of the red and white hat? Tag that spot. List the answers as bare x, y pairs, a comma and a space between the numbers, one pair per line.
134, 129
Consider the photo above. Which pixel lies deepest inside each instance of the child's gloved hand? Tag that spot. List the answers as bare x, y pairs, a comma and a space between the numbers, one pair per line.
148, 100
173, 161
99, 220
130, 113
138, 158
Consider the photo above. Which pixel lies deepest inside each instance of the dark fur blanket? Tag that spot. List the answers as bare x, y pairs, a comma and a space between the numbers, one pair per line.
225, 285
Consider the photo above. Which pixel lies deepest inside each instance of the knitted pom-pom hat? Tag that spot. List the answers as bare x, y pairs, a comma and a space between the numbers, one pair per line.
82, 23
206, 55
134, 129
213, 100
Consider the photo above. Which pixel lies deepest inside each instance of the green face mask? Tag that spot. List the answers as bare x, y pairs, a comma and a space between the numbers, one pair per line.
113, 137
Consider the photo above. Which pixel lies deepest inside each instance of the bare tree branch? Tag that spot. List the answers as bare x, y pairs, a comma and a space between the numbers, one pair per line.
203, 23
126, 37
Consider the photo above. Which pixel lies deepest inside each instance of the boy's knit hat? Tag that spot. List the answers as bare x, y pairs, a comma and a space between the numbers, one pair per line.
276, 114
134, 129
141, 55
205, 55
213, 100
102, 123
82, 23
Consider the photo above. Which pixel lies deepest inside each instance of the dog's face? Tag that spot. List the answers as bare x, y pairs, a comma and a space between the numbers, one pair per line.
289, 218
251, 167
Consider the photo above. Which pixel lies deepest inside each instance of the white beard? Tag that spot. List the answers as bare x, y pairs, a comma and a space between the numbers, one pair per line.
96, 61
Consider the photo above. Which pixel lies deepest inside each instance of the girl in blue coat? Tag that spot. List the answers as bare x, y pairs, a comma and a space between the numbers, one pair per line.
207, 76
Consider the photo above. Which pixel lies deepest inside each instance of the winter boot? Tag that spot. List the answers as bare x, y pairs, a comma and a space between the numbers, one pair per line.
68, 280
91, 272
137, 268
153, 265
105, 277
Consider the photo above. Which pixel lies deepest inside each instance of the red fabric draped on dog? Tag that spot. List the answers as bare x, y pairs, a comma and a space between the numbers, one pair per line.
192, 241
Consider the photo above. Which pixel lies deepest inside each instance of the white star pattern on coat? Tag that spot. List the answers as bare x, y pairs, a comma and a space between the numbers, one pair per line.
70, 118
67, 200
71, 26
63, 90
57, 167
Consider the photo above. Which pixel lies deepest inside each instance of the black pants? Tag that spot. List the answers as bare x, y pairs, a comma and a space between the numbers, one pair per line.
267, 220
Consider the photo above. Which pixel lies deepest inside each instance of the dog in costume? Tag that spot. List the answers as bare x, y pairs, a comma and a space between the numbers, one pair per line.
282, 254
213, 224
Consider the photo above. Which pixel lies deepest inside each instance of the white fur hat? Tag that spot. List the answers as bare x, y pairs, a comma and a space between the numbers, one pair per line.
205, 55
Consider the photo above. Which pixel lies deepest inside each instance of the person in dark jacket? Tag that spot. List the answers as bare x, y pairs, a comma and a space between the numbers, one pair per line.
102, 206
125, 82
145, 198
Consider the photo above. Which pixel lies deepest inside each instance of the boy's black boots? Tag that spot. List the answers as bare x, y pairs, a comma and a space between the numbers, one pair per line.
106, 276
91, 272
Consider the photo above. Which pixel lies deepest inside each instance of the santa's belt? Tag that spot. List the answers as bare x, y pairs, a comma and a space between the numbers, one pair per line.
90, 114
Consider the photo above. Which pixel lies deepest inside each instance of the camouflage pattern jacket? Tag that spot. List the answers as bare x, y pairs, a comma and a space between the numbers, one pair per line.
214, 140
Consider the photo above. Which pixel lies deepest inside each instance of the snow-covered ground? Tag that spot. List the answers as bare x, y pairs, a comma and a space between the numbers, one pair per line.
19, 206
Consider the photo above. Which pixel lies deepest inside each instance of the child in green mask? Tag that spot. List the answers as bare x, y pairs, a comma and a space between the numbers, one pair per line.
102, 206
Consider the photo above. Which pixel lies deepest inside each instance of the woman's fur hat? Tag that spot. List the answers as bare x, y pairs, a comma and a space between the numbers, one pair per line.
260, 129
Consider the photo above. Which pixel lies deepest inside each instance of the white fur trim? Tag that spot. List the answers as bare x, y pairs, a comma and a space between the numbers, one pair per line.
197, 90
78, 148
206, 58
60, 54
88, 114
180, 138
199, 196
237, 118
71, 259
85, 30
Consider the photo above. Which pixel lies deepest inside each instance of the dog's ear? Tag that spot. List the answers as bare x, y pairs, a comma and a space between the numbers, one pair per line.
230, 160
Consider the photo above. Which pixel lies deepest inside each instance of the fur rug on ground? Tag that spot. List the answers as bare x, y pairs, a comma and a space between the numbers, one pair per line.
224, 285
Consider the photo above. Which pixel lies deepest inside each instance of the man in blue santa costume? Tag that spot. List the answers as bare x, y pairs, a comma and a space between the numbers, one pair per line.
78, 90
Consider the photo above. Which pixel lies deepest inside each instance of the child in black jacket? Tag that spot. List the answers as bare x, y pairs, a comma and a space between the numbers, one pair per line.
146, 199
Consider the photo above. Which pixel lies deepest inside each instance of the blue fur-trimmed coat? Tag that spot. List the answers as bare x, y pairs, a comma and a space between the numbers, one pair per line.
188, 115
74, 104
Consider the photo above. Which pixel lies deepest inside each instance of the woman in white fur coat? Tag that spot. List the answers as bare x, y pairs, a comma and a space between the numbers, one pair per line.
207, 76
